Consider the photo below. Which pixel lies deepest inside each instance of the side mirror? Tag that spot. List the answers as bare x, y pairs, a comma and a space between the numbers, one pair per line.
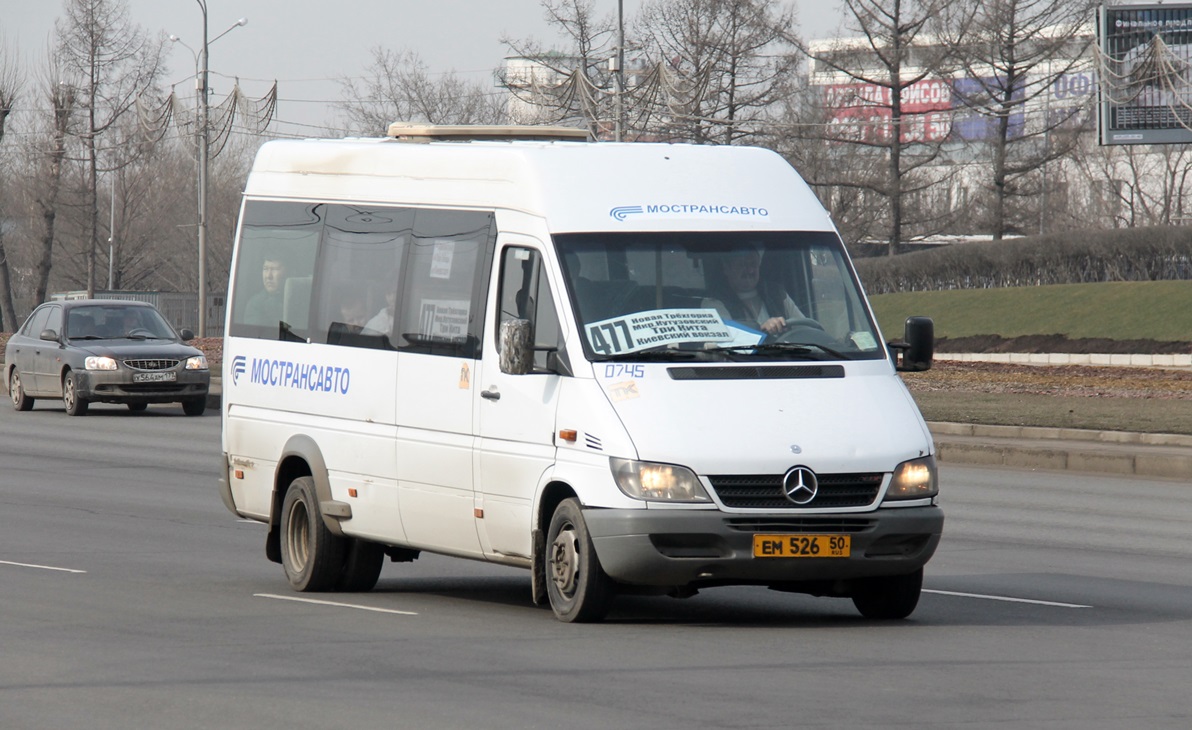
48, 336
517, 347
915, 352
186, 335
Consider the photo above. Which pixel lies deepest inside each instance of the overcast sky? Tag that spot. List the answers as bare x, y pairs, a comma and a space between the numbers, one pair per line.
307, 45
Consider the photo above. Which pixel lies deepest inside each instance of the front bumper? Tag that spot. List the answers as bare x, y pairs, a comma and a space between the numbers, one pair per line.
116, 386
693, 548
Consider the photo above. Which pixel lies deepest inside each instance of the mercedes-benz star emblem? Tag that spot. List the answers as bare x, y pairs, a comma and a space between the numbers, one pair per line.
800, 485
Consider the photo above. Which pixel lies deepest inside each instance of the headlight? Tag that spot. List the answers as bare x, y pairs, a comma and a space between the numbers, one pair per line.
657, 482
915, 479
198, 362
99, 363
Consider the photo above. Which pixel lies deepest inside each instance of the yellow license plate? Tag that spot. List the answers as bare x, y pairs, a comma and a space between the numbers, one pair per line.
801, 546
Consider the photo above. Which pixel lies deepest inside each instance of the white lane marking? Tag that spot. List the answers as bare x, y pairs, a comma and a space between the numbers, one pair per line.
1007, 599
333, 603
41, 567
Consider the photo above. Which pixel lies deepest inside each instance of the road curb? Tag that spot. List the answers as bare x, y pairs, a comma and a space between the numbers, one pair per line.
1162, 456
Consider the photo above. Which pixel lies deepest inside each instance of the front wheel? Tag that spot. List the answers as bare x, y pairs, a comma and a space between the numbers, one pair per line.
577, 587
20, 401
889, 597
75, 404
313, 558
194, 406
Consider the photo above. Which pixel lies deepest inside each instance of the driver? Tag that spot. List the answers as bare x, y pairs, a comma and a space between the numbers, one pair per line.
737, 292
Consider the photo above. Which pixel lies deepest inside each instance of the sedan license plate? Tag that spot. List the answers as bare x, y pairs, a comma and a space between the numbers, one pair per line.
801, 546
167, 376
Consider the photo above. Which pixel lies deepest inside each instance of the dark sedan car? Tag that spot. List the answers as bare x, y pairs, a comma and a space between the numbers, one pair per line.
104, 351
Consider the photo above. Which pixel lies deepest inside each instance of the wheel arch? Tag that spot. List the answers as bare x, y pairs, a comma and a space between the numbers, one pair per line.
301, 457
551, 494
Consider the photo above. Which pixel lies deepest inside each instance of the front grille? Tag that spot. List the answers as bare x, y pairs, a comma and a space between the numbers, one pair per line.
800, 525
764, 491
151, 364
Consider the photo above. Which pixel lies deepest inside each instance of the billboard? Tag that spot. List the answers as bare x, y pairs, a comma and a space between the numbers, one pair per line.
1146, 78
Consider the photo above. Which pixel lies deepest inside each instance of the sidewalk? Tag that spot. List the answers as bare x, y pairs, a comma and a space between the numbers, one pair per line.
1164, 456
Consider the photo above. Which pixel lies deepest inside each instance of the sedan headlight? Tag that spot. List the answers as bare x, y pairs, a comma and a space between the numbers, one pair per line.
914, 479
99, 363
657, 482
198, 362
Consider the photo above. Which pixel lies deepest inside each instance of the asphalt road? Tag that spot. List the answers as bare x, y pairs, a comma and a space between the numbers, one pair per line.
130, 598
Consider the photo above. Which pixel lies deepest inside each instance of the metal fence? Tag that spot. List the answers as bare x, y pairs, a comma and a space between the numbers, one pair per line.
180, 308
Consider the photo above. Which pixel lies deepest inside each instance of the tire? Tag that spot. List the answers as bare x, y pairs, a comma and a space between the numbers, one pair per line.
194, 406
75, 405
20, 401
889, 597
312, 557
362, 566
577, 587
137, 407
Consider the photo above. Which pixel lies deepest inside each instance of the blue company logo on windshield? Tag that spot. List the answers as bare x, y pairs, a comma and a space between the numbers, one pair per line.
295, 375
621, 212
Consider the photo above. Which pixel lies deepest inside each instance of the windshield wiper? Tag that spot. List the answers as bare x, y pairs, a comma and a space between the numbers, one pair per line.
794, 348
661, 352
85, 337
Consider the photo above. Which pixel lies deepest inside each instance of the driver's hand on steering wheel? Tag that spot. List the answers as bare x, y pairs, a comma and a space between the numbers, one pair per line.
773, 325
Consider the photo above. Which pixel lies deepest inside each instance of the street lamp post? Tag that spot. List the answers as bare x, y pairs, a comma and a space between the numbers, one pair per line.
203, 134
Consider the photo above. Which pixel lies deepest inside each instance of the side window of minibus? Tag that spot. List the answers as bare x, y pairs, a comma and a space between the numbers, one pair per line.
440, 310
526, 294
271, 293
357, 276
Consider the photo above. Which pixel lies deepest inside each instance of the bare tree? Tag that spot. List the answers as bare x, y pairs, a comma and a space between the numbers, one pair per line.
60, 97
1013, 53
883, 72
399, 87
725, 66
571, 85
1138, 185
11, 83
112, 62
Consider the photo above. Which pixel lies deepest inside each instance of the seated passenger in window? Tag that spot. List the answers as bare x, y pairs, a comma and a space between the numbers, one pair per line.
352, 312
265, 307
382, 321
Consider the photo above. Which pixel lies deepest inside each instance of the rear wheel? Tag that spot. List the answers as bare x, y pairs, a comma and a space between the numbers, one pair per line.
137, 407
362, 566
578, 589
313, 558
889, 597
194, 406
75, 405
20, 400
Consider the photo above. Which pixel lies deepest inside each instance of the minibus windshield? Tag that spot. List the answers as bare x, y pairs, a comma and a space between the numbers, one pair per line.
716, 295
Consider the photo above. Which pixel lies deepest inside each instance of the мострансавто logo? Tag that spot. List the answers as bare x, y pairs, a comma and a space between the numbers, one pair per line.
289, 374
621, 212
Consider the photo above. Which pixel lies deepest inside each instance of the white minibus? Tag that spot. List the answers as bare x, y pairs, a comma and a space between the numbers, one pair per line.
628, 367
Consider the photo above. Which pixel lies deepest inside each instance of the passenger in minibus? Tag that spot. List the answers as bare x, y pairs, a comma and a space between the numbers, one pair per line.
265, 307
382, 321
737, 291
352, 311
